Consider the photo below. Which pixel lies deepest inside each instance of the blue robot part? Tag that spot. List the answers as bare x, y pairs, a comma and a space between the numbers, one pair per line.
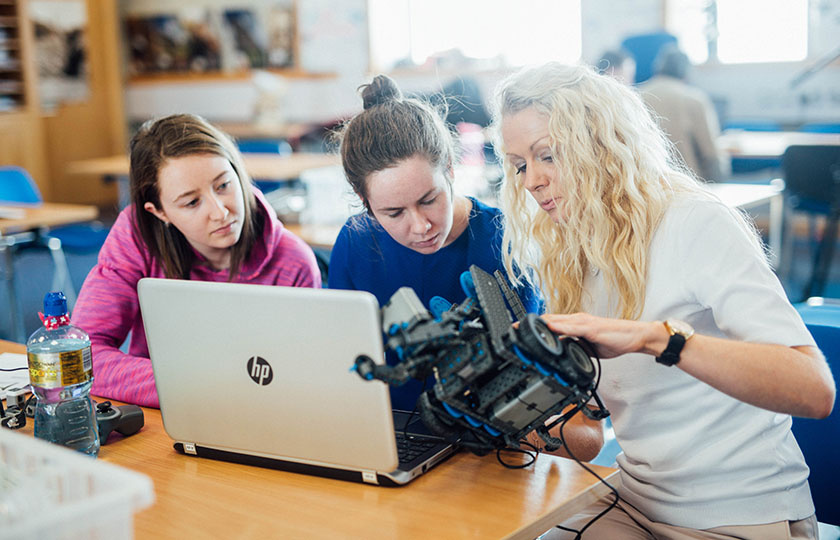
495, 381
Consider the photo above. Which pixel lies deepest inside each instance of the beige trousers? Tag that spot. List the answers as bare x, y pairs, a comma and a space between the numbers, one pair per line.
625, 522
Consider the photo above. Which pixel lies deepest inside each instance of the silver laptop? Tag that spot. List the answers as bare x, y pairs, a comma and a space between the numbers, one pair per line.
261, 375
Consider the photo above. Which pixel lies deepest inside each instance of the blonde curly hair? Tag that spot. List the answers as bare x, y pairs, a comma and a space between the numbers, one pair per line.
619, 172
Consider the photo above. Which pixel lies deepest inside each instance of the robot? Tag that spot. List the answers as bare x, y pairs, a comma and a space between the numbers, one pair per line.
495, 381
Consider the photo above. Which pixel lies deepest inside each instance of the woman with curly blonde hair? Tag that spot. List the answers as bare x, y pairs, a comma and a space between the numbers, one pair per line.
705, 358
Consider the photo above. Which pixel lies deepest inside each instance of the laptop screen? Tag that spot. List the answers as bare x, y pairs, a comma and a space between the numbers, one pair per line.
265, 370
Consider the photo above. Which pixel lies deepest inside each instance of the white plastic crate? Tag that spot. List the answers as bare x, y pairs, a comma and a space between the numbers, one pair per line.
53, 493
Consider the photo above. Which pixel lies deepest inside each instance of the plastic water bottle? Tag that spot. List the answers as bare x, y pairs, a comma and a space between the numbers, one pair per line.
61, 374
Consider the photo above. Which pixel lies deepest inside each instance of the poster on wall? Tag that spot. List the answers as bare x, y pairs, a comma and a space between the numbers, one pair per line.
59, 27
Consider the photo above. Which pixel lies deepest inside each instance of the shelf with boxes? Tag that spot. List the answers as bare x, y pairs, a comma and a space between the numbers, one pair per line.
209, 42
12, 90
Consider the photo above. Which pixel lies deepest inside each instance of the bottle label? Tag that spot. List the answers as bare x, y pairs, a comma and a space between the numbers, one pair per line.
54, 370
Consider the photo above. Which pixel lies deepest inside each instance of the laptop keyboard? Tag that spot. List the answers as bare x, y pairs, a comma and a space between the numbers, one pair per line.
410, 447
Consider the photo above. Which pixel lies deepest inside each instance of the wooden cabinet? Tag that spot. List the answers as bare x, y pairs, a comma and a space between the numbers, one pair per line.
21, 127
43, 141
12, 84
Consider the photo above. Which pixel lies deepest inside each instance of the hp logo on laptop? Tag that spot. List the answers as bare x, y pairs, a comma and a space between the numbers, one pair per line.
259, 370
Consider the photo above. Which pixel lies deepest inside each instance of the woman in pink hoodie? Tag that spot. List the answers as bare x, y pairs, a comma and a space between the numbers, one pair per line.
194, 215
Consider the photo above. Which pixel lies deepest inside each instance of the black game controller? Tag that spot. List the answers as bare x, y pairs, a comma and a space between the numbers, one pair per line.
124, 419
13, 417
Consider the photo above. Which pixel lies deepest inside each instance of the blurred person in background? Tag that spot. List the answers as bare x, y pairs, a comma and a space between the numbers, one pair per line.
685, 114
617, 64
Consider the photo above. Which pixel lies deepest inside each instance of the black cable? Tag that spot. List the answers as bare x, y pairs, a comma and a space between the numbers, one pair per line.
615, 491
579, 533
14, 369
530, 453
414, 412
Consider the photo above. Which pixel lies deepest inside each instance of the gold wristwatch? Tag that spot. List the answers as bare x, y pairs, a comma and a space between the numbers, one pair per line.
680, 332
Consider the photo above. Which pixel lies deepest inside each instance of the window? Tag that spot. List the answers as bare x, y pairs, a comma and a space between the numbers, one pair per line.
740, 31
762, 30
690, 21
497, 31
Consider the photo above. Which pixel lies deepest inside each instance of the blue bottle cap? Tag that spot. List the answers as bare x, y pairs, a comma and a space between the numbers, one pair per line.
55, 304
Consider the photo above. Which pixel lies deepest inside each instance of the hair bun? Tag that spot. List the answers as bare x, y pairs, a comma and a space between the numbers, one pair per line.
380, 90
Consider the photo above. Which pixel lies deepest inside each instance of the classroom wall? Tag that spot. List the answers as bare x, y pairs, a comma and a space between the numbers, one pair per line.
330, 44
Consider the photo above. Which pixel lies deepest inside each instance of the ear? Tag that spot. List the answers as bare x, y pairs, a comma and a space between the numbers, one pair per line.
365, 203
369, 211
150, 208
450, 174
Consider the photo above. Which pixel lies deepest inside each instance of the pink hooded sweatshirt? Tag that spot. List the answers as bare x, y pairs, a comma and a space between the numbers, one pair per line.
107, 307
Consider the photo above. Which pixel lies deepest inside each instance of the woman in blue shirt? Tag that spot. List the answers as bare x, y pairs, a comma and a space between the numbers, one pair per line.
398, 157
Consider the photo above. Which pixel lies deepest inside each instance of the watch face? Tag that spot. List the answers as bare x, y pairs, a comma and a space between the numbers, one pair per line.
681, 327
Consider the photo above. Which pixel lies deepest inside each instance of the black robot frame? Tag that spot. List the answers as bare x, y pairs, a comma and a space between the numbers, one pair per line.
495, 382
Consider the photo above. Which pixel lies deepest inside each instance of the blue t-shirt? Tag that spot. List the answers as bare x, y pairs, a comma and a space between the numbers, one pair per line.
366, 258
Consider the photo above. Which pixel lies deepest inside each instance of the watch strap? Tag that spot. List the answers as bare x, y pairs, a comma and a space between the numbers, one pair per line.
671, 355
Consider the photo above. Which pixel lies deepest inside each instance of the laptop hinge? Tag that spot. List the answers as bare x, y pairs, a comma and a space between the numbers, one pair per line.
369, 477
189, 448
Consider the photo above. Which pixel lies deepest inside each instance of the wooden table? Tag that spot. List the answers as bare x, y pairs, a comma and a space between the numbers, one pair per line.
265, 167
464, 497
26, 218
22, 225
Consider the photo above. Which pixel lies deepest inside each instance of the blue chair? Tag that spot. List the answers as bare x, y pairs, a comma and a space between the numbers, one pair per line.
18, 189
610, 450
644, 48
819, 439
820, 311
265, 146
